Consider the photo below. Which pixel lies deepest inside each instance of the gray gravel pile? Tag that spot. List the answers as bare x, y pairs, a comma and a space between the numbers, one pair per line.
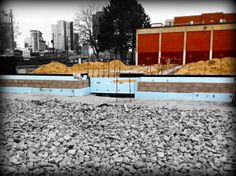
51, 137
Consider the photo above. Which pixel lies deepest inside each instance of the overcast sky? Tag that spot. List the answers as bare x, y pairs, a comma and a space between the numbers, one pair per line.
39, 15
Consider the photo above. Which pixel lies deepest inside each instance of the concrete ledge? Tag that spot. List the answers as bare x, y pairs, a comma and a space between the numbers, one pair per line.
163, 96
109, 85
152, 88
186, 87
226, 97
31, 77
188, 79
65, 92
77, 84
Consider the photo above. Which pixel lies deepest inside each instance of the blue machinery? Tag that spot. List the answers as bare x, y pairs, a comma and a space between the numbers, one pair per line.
124, 86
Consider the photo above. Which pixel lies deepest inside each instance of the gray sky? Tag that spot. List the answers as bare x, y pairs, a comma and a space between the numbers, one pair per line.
39, 15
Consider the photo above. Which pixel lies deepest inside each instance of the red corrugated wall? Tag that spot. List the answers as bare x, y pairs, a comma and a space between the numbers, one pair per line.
172, 47
224, 43
148, 46
197, 46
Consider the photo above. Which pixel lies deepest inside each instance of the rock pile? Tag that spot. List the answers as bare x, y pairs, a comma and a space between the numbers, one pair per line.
50, 137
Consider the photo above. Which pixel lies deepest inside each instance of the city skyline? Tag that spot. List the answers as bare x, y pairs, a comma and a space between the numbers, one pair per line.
41, 15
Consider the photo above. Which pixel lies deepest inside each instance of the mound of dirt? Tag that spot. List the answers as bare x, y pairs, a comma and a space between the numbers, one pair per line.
52, 68
59, 68
224, 66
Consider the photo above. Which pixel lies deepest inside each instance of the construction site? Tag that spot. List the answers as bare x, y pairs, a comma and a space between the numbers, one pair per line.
170, 114
223, 66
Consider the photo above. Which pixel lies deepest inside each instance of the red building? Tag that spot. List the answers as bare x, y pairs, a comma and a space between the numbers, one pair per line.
188, 39
205, 18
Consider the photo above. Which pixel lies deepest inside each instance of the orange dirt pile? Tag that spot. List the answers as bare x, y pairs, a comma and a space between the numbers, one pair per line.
59, 68
95, 69
52, 68
224, 66
97, 65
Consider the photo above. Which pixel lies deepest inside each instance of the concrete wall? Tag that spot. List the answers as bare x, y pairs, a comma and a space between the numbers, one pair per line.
44, 83
113, 85
186, 88
158, 88
59, 85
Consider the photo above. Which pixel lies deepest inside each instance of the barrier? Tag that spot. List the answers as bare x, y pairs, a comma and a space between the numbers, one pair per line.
220, 88
186, 88
113, 85
59, 85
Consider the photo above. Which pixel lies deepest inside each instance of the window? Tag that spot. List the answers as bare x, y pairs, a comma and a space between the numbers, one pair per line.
222, 20
191, 22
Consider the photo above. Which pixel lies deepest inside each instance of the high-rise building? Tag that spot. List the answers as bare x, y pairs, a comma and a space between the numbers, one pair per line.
54, 35
26, 42
69, 35
76, 43
95, 23
36, 41
62, 34
7, 43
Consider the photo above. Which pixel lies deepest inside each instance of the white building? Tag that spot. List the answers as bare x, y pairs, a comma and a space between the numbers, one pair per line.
62, 34
26, 42
36, 41
54, 35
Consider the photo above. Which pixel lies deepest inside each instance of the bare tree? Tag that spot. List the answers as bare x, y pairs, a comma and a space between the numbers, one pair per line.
83, 24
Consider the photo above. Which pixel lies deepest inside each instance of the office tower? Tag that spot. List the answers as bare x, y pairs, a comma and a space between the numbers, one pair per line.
62, 34
36, 41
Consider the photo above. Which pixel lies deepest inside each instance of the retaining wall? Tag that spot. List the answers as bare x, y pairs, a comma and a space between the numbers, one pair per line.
61, 85
220, 88
186, 88
113, 85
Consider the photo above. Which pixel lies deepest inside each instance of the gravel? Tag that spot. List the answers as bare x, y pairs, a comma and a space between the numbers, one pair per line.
51, 135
